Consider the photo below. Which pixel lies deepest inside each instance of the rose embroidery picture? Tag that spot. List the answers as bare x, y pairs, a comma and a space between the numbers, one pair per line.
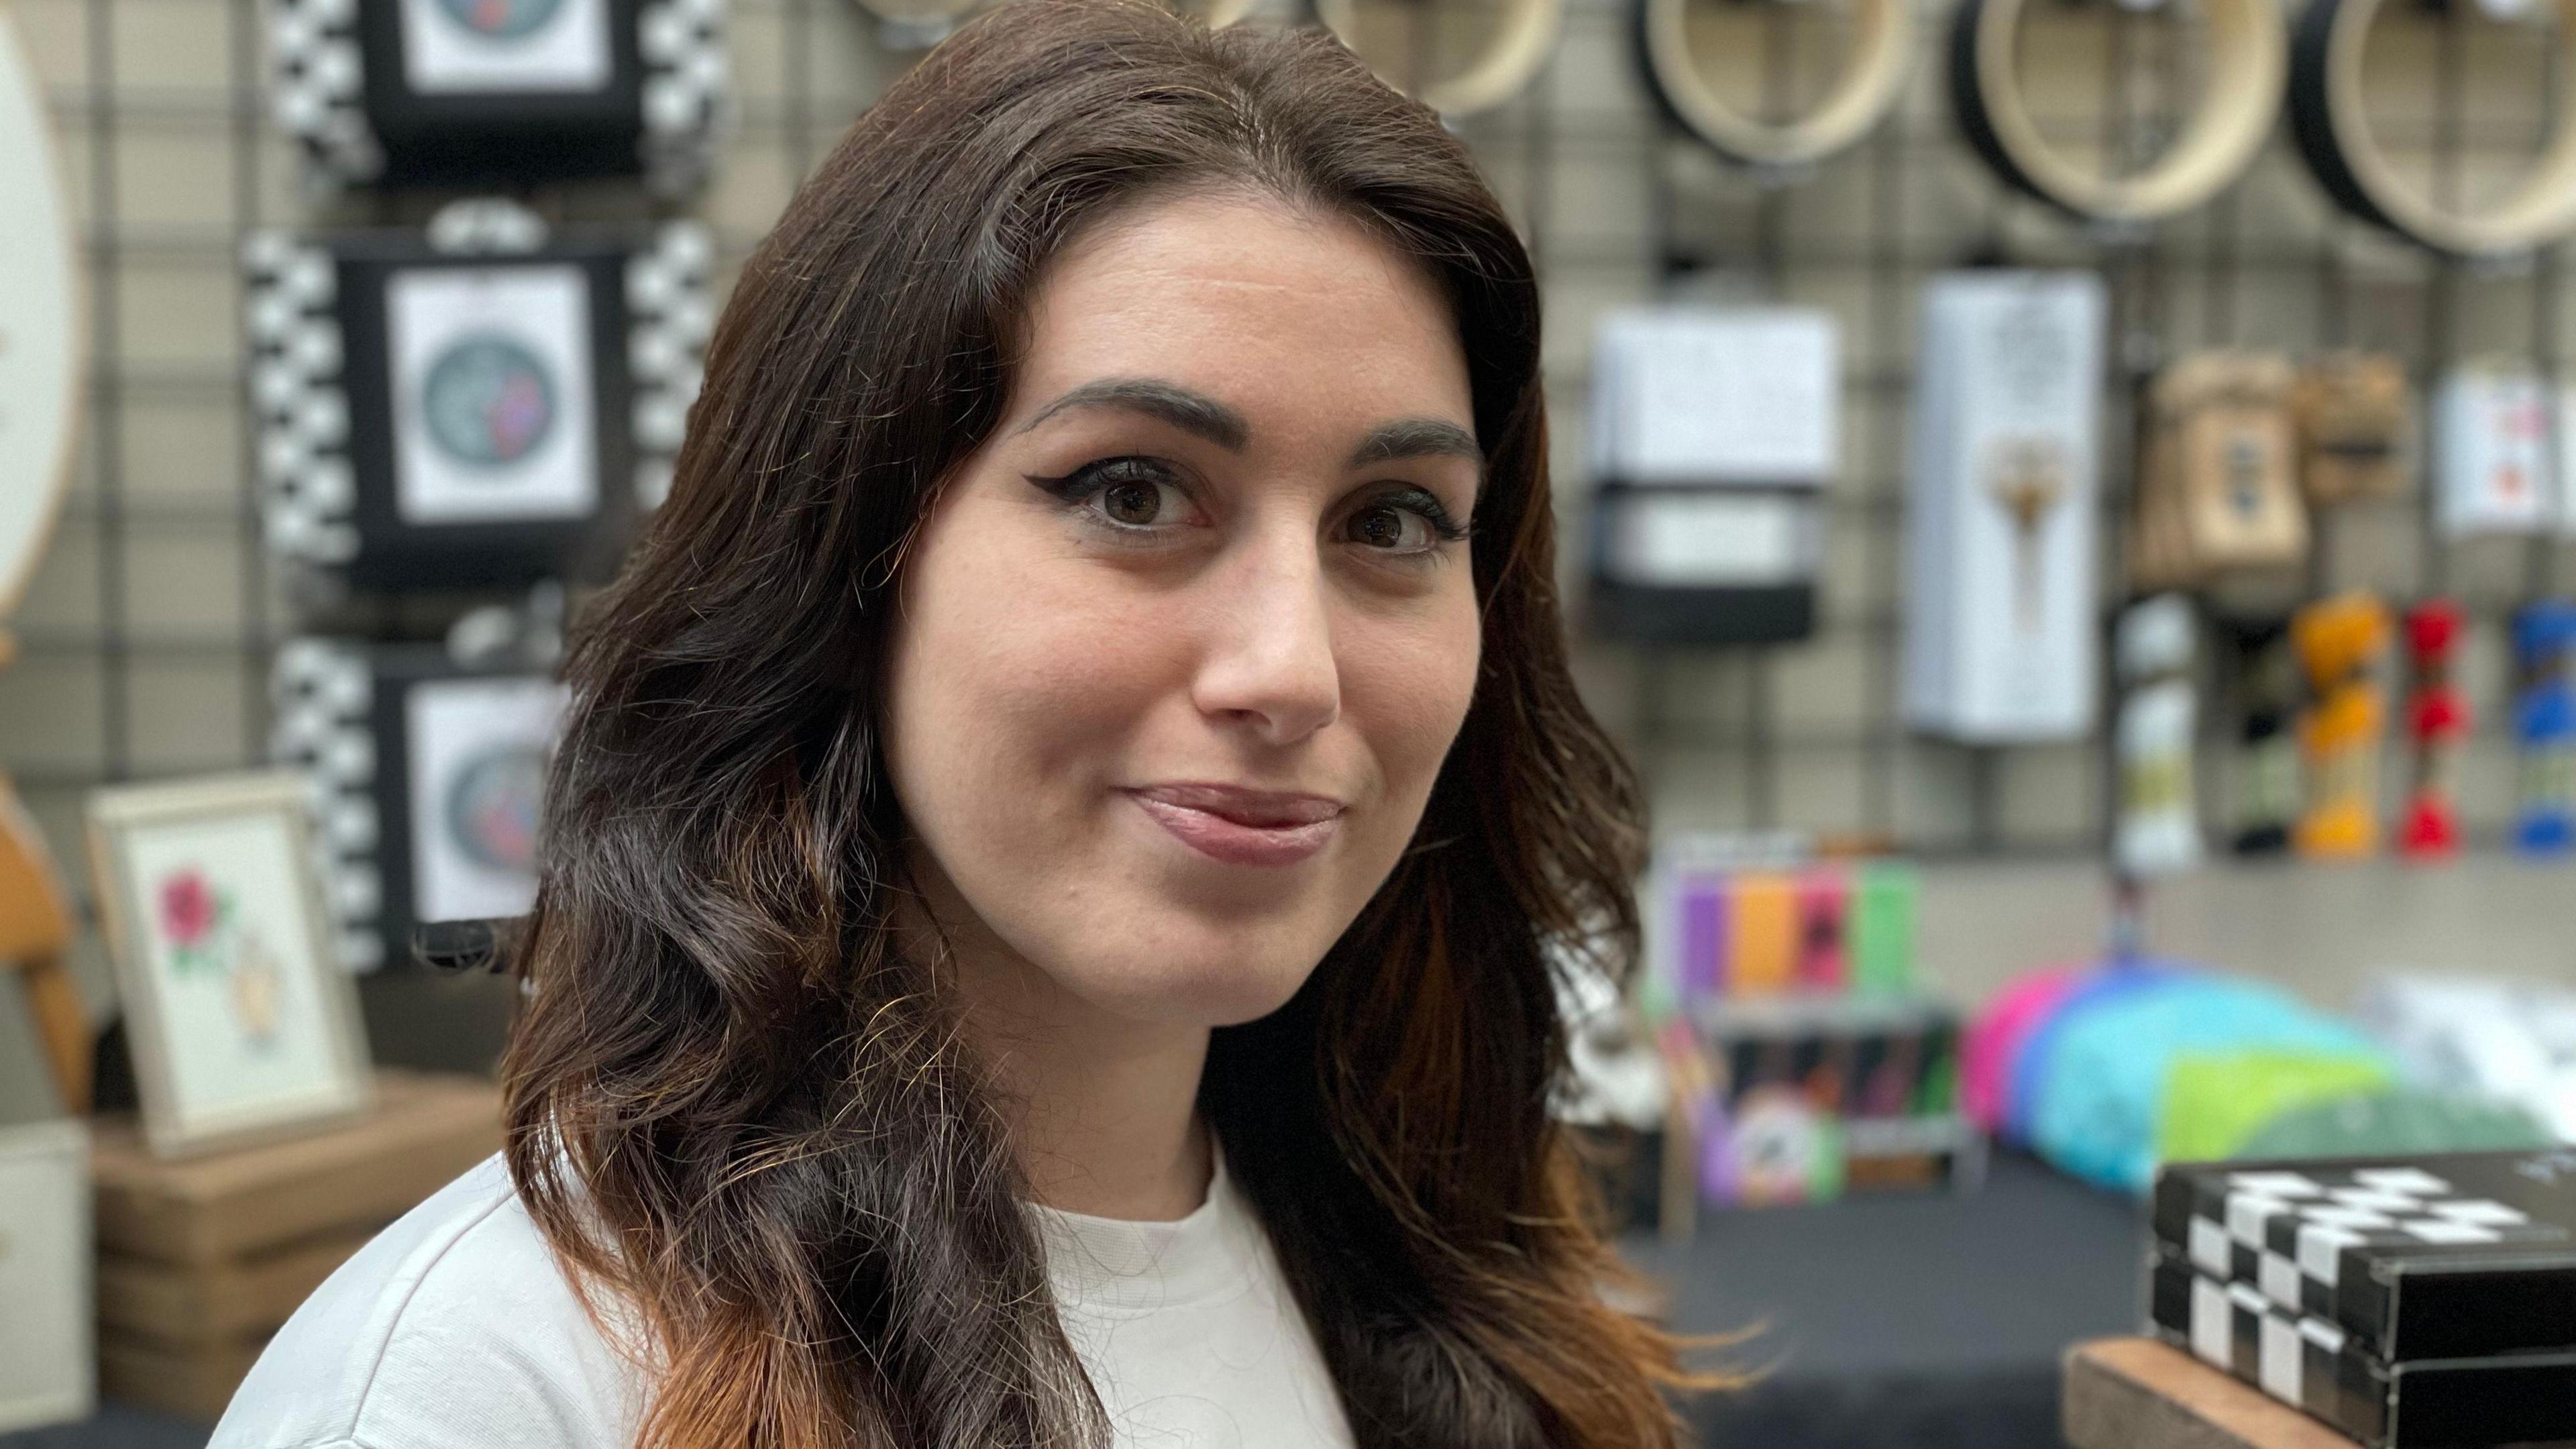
202, 923
192, 912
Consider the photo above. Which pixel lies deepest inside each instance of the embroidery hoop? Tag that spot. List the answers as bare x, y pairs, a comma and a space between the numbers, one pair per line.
2248, 50
41, 351
2334, 136
1528, 32
1858, 100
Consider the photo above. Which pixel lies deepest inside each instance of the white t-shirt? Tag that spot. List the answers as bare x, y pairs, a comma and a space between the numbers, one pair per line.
455, 1326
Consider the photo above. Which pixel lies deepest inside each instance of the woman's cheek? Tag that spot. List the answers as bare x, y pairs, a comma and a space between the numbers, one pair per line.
1412, 687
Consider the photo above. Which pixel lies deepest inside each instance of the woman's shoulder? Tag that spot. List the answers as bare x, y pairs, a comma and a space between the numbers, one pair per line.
453, 1326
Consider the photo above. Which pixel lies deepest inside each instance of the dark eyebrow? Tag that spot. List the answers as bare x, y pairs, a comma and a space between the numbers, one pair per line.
1189, 411
1416, 438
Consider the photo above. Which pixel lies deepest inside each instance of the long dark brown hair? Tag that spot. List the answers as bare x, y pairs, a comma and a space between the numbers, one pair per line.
736, 1109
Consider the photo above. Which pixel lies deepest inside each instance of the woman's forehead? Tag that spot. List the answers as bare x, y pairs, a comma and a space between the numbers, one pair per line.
1251, 303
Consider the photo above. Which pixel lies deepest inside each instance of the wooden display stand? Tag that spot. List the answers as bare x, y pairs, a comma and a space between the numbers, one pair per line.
200, 1260
2137, 1393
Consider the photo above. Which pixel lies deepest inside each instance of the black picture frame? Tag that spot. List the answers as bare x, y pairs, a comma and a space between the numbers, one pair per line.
483, 138
334, 470
395, 554
400, 672
366, 116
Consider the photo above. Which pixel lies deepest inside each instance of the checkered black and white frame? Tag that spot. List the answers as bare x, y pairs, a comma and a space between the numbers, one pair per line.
322, 693
686, 100
2284, 1232
670, 305
299, 400
320, 91
319, 96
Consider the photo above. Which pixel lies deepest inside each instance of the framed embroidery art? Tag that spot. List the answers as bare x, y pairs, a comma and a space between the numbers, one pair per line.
242, 1023
500, 92
446, 418
431, 777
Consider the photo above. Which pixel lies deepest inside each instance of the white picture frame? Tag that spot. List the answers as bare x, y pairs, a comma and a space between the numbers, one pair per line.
480, 47
241, 1022
494, 403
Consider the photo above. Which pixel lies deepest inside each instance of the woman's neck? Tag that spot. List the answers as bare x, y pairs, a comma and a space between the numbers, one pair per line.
1102, 1108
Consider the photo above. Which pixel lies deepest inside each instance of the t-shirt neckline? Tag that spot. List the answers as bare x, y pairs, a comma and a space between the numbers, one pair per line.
1124, 1266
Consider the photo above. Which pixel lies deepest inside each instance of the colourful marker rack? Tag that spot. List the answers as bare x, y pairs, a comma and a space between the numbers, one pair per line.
1761, 931
2342, 643
2544, 719
2438, 719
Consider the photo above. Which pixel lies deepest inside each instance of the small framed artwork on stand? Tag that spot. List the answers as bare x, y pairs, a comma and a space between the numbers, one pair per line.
243, 1024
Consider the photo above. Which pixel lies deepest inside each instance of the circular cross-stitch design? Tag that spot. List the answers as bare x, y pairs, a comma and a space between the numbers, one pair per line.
492, 807
488, 400
501, 19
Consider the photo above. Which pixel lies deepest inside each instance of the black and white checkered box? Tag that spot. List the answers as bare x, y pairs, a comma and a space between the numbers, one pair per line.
2447, 1256
2295, 1358
2316, 1367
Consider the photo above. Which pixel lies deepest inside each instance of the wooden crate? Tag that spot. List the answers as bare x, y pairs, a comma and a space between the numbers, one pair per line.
2136, 1393
218, 1302
201, 1259
188, 1383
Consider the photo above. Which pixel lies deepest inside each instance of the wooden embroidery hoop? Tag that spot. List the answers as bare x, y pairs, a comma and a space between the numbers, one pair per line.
1858, 99
2248, 64
2334, 136
1509, 60
41, 358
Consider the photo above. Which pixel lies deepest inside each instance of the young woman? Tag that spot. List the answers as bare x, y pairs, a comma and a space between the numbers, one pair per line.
1065, 825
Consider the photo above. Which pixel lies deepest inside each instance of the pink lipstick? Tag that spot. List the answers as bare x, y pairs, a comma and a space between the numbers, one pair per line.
1240, 826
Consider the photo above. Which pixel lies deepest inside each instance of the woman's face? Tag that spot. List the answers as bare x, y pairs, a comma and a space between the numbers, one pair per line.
1185, 641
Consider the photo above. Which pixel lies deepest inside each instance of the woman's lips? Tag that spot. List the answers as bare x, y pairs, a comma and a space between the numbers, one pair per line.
1233, 841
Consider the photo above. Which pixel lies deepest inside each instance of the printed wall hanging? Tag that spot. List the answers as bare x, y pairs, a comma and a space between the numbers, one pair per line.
2354, 162
1686, 46
500, 92
2001, 615
1455, 58
432, 418
1715, 432
432, 776
241, 1023
2243, 58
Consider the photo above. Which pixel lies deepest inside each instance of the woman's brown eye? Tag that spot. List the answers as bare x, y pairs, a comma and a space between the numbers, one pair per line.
1132, 503
1380, 526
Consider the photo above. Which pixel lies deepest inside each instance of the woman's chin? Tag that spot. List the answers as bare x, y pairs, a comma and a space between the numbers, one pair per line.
1207, 991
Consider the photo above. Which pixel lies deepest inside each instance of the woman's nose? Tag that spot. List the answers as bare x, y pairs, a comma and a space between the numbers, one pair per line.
1267, 659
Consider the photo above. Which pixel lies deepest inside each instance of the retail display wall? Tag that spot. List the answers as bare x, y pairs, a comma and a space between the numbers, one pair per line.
146, 638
